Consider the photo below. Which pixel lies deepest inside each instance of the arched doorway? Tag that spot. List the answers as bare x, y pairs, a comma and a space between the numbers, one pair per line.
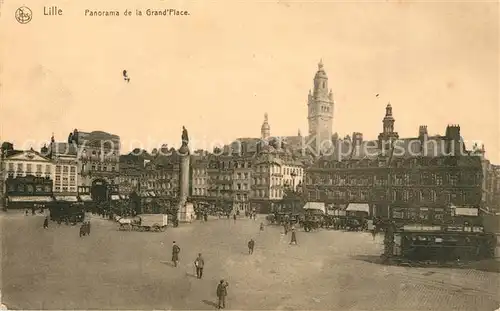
99, 191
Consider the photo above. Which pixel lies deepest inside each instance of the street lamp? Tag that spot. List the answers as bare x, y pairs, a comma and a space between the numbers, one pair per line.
293, 191
293, 180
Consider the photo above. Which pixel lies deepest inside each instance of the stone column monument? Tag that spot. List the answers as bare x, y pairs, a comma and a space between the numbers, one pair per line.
185, 209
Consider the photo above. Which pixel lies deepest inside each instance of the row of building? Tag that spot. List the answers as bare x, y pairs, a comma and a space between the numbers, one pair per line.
258, 173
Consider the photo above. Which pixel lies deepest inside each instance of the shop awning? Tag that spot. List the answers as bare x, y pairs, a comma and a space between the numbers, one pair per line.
115, 197
85, 198
358, 207
30, 199
66, 198
315, 206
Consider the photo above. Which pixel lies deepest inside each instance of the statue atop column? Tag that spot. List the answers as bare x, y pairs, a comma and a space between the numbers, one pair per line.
184, 149
185, 137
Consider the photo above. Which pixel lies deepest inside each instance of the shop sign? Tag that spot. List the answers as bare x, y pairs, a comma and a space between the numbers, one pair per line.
421, 228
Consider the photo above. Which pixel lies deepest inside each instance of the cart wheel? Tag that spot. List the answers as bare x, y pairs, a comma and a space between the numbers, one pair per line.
156, 228
163, 228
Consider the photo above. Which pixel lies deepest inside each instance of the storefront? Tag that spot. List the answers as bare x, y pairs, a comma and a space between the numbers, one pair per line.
28, 202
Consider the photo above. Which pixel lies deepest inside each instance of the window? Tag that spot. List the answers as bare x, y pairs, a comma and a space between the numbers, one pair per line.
30, 189
39, 188
39, 168
65, 169
19, 167
73, 169
29, 168
47, 168
47, 188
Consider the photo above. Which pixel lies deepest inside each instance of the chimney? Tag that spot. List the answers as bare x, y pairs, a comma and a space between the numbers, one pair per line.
357, 138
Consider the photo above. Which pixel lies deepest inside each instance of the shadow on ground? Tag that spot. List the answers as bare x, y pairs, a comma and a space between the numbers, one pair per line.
490, 265
210, 303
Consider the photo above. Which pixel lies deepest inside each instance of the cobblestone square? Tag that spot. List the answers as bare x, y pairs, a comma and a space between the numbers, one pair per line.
110, 269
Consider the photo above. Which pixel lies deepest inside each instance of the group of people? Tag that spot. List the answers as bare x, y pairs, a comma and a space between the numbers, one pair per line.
85, 228
199, 264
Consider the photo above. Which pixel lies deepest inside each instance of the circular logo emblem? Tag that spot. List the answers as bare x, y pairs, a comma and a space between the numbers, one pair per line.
24, 15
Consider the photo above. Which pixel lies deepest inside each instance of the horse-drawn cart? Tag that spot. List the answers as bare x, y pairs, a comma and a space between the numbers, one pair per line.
144, 222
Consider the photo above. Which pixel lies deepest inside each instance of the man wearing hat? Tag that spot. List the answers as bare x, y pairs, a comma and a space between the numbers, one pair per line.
222, 293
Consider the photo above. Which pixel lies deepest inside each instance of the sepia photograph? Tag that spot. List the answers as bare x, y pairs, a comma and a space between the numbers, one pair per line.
250, 155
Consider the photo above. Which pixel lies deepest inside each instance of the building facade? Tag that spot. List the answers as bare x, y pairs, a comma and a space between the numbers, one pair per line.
199, 177
131, 171
26, 176
65, 168
98, 157
392, 173
242, 182
2, 180
220, 192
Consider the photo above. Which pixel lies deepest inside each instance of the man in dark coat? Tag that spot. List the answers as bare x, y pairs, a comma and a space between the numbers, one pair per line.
221, 294
199, 263
251, 245
46, 223
88, 227
175, 254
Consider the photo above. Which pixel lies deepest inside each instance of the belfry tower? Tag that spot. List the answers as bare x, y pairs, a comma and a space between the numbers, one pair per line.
320, 106
265, 129
388, 135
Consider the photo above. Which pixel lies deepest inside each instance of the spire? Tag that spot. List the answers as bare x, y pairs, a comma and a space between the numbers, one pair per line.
320, 64
298, 133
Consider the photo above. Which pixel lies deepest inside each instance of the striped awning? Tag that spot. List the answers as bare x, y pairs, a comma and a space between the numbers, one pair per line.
66, 198
85, 198
30, 199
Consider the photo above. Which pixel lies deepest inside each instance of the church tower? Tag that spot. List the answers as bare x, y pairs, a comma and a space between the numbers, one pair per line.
265, 130
320, 109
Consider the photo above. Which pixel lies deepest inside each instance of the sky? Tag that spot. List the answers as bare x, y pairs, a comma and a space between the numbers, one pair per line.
219, 69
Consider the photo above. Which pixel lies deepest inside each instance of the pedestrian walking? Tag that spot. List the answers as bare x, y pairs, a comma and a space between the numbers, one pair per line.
26, 213
88, 227
294, 237
221, 294
251, 245
199, 263
46, 223
285, 226
175, 254
234, 217
261, 226
83, 230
